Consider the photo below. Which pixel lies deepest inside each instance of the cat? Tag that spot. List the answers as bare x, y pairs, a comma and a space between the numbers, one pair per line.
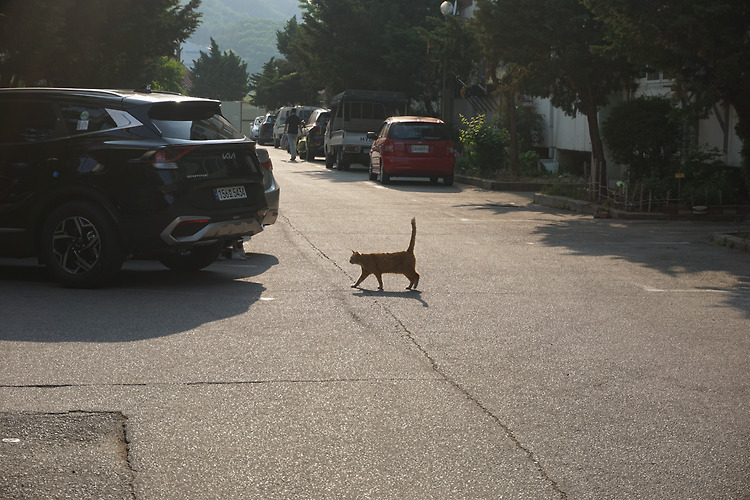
389, 262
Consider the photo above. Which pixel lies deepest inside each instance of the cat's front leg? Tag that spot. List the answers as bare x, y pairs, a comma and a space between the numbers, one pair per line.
361, 279
380, 281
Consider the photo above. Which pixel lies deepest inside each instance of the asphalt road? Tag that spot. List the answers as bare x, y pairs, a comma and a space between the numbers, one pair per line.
546, 355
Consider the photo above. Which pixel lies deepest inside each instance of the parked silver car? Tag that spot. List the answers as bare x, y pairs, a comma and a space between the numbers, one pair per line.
270, 187
255, 128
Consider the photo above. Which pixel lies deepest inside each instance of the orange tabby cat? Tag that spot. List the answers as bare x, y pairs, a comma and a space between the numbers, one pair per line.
391, 262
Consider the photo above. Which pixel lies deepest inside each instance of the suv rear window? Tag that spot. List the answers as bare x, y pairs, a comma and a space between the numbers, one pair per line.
82, 119
192, 121
418, 131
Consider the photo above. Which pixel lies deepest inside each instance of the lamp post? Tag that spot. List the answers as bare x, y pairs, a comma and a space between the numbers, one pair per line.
446, 8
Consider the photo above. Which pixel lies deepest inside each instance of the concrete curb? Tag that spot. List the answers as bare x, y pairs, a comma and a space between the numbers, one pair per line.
730, 240
500, 185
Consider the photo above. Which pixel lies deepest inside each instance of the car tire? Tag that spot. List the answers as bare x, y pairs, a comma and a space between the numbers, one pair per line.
384, 178
341, 163
373, 175
330, 160
194, 259
276, 143
310, 155
448, 180
81, 246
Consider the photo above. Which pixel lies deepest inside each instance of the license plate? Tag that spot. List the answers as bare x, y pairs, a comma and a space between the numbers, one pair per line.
420, 148
230, 193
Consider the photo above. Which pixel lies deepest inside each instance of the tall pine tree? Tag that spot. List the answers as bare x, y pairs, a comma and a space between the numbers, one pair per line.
220, 75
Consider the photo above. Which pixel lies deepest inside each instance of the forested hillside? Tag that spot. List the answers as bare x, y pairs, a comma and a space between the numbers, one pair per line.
247, 27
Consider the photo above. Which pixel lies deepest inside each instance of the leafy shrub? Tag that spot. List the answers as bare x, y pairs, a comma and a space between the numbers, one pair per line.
563, 187
483, 144
706, 178
530, 163
644, 135
529, 126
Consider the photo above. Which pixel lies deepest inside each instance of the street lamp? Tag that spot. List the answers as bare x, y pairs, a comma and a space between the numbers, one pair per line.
447, 8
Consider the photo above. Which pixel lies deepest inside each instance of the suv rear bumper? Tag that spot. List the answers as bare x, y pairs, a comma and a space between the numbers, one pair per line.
192, 229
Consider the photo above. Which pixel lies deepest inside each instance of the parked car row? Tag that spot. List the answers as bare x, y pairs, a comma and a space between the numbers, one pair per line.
282, 114
90, 178
402, 146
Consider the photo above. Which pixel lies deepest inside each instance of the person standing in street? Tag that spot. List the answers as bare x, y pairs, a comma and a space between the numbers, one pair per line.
291, 129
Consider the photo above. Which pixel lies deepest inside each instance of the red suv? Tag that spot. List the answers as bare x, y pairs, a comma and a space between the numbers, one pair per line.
412, 146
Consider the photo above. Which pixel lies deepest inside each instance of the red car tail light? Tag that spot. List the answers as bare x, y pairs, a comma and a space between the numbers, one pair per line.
393, 148
268, 165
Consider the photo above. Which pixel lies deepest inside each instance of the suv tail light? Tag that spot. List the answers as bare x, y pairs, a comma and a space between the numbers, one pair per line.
189, 227
166, 159
315, 130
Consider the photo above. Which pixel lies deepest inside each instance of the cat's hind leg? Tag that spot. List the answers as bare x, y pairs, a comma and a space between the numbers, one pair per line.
413, 281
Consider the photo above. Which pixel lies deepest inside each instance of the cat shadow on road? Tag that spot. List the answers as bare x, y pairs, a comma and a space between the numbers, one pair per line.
404, 294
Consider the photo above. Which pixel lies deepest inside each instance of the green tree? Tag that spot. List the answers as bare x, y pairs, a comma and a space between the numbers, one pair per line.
451, 51
645, 135
220, 75
366, 44
169, 76
90, 42
703, 45
552, 41
279, 85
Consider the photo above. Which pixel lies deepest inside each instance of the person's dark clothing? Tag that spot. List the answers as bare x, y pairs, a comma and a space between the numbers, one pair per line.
292, 124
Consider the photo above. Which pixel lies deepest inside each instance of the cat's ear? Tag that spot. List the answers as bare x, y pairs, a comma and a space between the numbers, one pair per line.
355, 253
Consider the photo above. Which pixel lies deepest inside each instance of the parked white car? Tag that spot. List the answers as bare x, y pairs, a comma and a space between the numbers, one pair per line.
303, 112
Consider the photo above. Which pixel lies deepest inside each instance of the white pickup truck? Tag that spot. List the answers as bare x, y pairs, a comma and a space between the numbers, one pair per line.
353, 114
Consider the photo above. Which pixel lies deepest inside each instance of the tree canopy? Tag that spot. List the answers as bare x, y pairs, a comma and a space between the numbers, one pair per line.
366, 44
704, 46
169, 76
552, 41
220, 75
92, 43
278, 85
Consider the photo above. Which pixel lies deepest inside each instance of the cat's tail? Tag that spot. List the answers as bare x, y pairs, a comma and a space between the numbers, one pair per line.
413, 235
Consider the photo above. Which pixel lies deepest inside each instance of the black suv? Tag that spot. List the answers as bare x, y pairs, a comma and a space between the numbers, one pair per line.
89, 178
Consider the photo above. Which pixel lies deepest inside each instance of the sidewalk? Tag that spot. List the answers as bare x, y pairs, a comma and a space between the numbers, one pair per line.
735, 240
